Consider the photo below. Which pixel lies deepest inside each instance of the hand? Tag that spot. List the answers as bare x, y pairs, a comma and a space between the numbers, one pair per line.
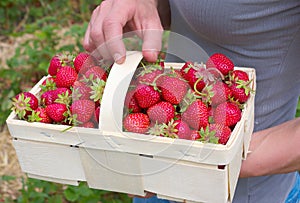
103, 37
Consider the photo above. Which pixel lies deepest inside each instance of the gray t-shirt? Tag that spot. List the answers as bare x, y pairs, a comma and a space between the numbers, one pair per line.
265, 35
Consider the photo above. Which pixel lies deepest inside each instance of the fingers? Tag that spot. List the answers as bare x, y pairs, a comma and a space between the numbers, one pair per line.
104, 35
152, 44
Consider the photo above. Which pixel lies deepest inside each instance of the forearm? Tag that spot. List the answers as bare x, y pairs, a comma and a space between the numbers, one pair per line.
274, 150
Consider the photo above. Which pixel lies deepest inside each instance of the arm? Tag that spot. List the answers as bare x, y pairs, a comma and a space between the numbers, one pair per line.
274, 150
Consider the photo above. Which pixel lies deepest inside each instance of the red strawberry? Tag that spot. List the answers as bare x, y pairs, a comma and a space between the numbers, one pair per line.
96, 72
57, 112
222, 132
48, 84
195, 135
58, 61
66, 76
220, 62
173, 89
50, 96
240, 92
193, 74
149, 73
146, 95
221, 93
136, 122
83, 110
39, 115
130, 102
183, 130
227, 113
161, 112
88, 124
196, 115
97, 114
24, 103
83, 61
81, 90
239, 75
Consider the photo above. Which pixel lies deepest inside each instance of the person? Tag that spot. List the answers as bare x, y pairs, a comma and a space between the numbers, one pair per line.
263, 34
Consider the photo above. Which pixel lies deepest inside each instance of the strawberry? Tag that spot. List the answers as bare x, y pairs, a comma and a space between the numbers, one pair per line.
96, 72
88, 124
48, 84
221, 93
97, 89
150, 72
221, 63
136, 122
195, 135
97, 114
146, 95
66, 76
24, 103
239, 92
183, 130
196, 115
58, 61
81, 90
131, 103
193, 74
227, 113
161, 112
82, 110
236, 75
57, 112
222, 132
239, 85
50, 96
83, 61
39, 115
156, 129
173, 89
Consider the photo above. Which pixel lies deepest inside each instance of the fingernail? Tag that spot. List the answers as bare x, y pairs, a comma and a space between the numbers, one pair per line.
119, 58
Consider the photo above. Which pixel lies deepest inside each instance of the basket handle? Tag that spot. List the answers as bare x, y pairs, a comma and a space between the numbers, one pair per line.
112, 103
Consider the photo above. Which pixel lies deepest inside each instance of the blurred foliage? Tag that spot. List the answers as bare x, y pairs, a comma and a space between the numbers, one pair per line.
19, 16
34, 190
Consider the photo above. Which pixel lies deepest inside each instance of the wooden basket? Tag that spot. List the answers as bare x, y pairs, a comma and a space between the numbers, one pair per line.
110, 159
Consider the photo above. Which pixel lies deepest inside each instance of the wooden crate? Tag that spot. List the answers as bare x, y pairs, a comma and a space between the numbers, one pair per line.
174, 169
